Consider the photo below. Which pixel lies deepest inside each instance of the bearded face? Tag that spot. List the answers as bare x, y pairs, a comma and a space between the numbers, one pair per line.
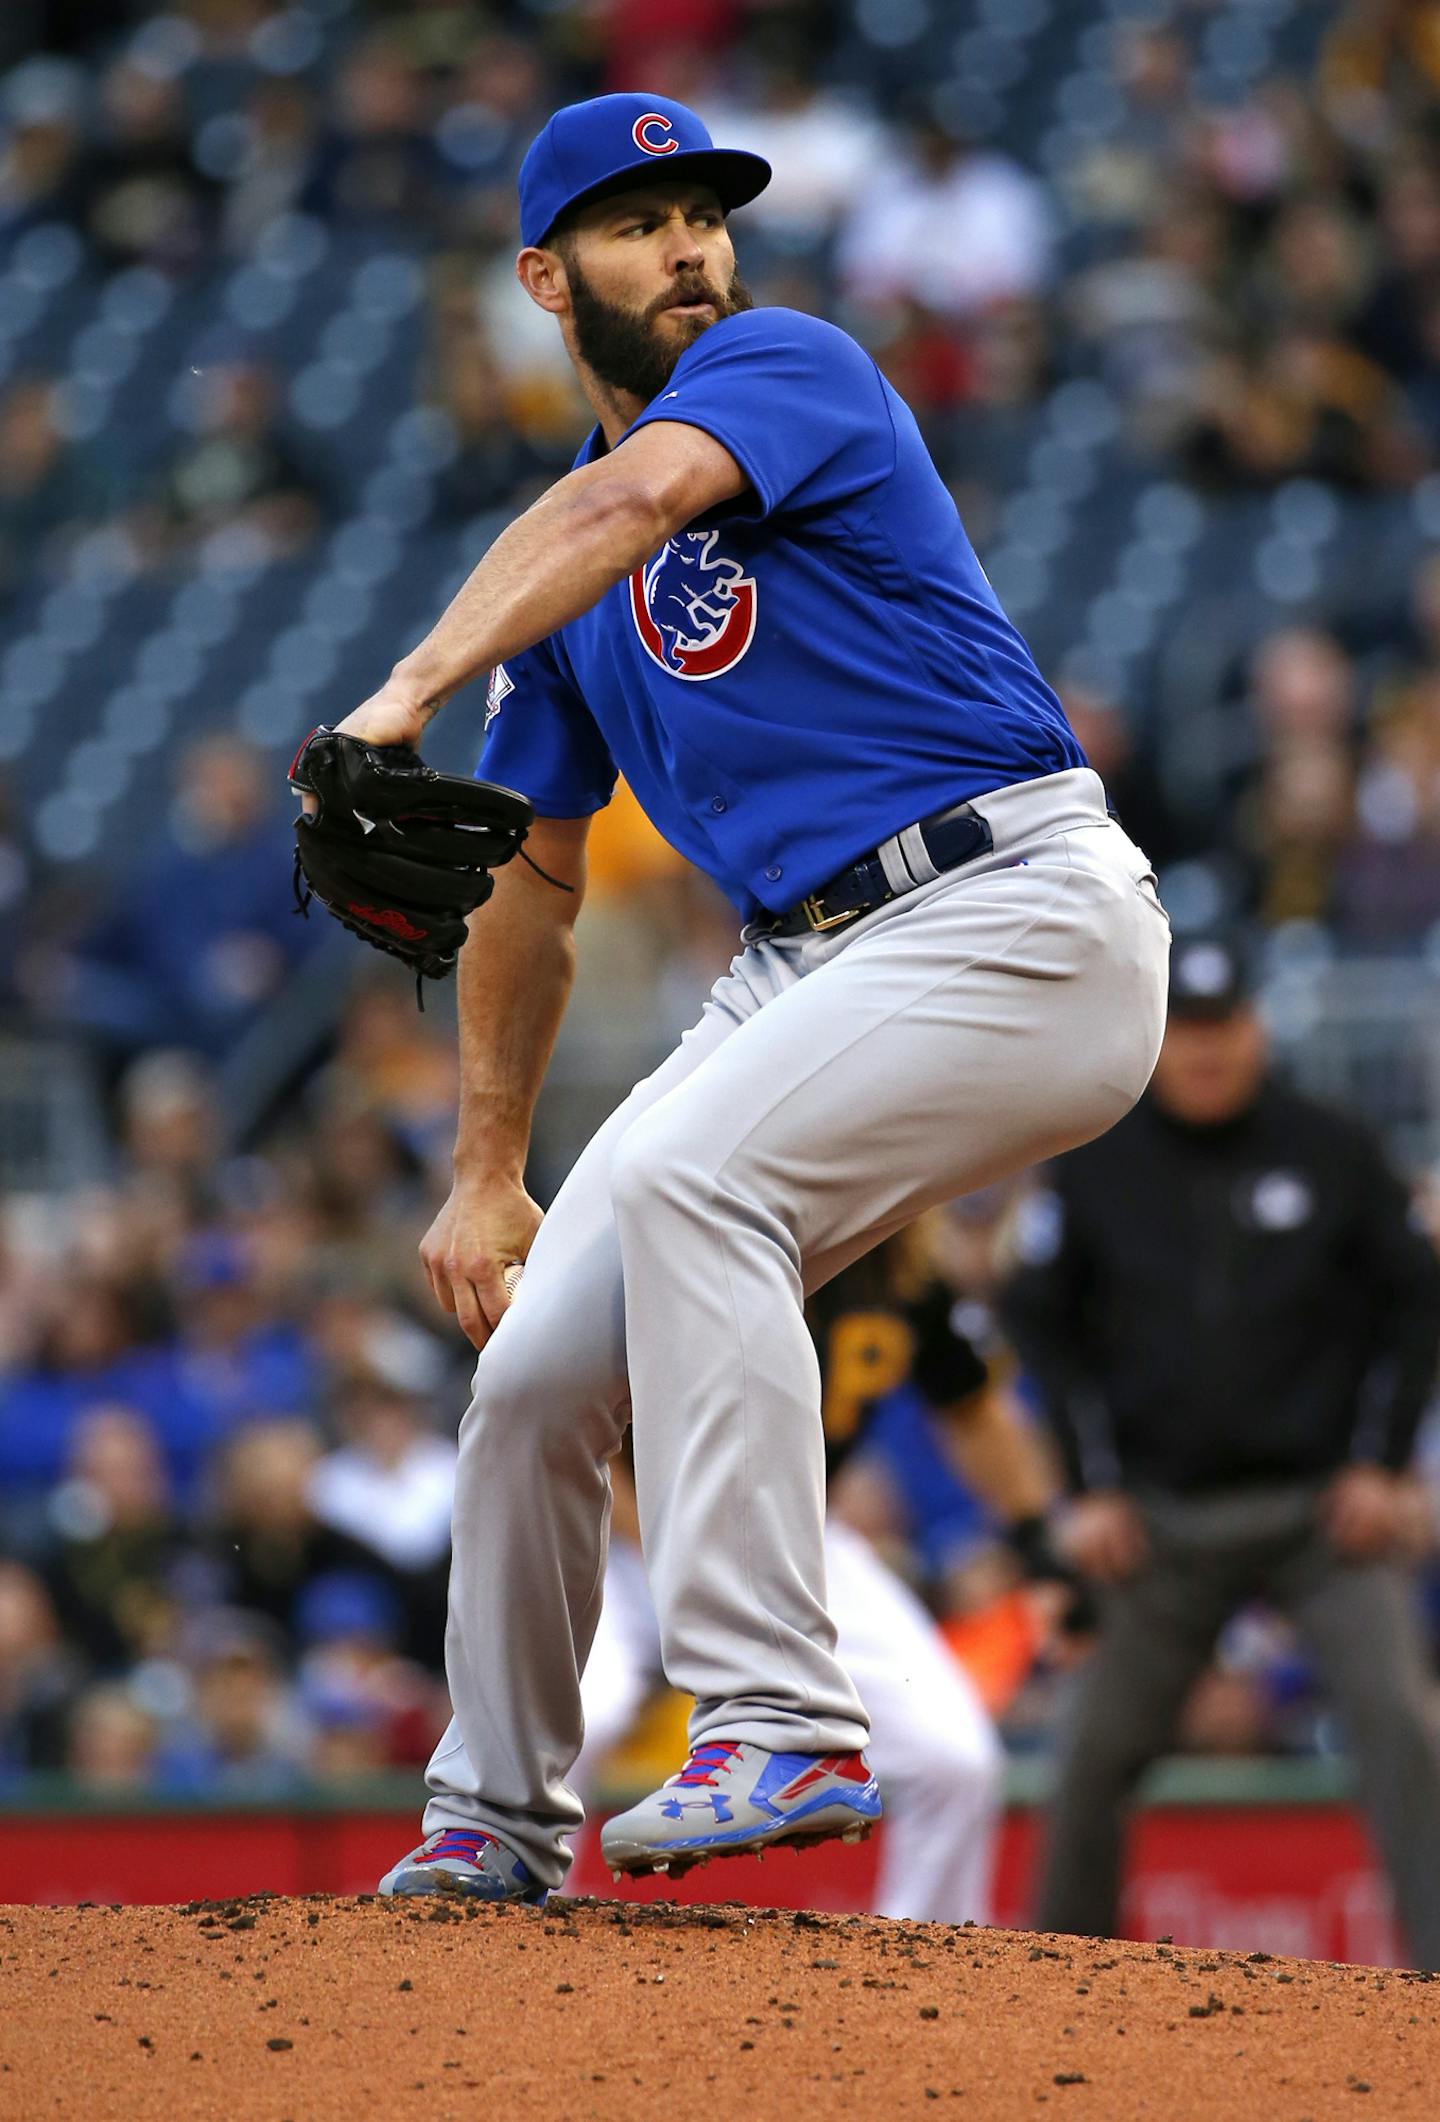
635, 350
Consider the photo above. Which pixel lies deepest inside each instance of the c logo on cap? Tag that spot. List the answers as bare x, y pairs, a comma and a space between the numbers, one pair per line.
653, 121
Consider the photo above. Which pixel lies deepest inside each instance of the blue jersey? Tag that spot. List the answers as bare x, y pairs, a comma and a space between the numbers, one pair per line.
803, 672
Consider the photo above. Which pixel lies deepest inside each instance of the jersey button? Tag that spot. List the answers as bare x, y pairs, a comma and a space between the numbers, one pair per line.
774, 873
717, 804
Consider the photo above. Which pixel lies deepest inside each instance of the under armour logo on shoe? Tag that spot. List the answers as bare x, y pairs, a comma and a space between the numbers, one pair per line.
718, 1805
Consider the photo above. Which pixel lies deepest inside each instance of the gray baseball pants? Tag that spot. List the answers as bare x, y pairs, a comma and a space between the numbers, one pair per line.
835, 1086
1208, 1556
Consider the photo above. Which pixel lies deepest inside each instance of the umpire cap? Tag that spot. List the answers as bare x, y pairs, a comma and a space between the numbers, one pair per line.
588, 149
1209, 977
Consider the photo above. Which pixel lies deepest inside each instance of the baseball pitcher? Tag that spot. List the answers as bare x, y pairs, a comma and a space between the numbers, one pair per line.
753, 597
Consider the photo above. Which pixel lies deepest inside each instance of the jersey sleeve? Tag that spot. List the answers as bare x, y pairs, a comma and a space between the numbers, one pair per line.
801, 408
541, 739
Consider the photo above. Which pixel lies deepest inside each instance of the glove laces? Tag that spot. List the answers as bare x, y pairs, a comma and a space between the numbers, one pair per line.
531, 863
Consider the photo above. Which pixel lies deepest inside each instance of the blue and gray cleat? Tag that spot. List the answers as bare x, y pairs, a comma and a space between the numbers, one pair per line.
464, 1861
732, 1799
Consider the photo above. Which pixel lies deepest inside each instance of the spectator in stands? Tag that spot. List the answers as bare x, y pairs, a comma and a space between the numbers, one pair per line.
115, 1542
44, 140
1410, 652
389, 1487
237, 1354
1291, 737
266, 1545
1151, 315
201, 934
1313, 270
1122, 177
1387, 887
1422, 390
362, 1335
111, 1741
348, 1736
1256, 152
1233, 1324
390, 1483
1392, 330
372, 1707
934, 368
1299, 821
245, 1736
1305, 405
392, 1059
362, 1189
495, 103
377, 164
238, 472
49, 489
143, 200
27, 1283
280, 128
1296, 819
87, 1348
170, 1130
1302, 689
38, 1674
1377, 61
101, 1339
950, 225
1131, 782
494, 465
478, 310
824, 146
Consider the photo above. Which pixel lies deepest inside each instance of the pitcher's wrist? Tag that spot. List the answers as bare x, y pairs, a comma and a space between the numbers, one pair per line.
421, 683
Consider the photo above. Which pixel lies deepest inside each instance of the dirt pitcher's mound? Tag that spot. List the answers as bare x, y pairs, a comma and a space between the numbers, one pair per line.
274, 2008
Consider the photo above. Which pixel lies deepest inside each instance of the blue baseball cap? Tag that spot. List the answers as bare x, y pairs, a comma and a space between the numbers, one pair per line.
591, 148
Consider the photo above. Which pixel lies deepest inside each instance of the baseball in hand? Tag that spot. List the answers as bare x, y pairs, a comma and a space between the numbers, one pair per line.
510, 1276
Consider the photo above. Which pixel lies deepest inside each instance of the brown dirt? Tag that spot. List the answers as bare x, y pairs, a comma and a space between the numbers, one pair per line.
273, 2008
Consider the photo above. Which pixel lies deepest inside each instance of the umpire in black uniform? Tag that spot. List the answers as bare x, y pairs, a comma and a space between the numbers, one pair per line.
1233, 1321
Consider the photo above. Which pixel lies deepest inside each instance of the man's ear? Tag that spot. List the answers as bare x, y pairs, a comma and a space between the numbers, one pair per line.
542, 275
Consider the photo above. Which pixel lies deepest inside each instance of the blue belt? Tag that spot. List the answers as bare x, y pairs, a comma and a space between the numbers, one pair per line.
950, 838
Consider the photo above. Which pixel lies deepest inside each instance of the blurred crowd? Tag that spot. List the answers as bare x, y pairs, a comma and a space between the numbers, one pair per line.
226, 1433
226, 1399
227, 1413
1244, 266
1257, 273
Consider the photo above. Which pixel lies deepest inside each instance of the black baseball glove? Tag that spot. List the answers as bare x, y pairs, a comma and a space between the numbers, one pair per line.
398, 852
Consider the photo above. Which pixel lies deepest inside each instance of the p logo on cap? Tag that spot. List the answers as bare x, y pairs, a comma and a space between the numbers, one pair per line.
654, 122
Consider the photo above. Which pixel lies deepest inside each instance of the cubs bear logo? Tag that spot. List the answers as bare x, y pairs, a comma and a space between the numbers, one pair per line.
694, 607
654, 123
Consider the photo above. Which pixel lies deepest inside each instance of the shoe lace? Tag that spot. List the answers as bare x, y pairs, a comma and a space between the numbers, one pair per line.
706, 1761
467, 1843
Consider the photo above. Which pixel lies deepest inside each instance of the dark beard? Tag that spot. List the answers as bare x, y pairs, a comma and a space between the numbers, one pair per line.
622, 346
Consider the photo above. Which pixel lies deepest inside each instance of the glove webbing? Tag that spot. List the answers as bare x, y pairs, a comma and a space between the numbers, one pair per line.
300, 886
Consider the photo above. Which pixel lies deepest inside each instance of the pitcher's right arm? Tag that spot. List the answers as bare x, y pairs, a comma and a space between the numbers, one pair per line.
515, 974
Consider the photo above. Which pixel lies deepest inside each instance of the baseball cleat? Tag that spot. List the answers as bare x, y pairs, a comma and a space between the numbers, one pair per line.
732, 1799
465, 1861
